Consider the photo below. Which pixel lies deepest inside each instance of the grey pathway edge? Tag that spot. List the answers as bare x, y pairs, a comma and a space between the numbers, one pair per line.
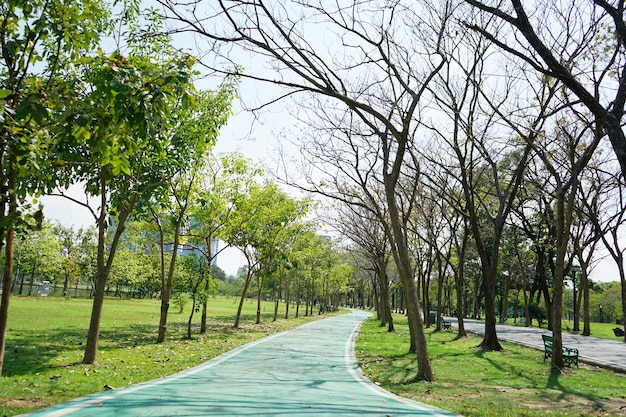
309, 371
610, 354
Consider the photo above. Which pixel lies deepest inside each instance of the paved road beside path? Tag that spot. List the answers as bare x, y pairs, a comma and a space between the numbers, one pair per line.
600, 352
309, 371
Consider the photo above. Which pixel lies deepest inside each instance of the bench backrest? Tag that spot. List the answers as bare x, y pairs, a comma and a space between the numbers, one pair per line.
547, 341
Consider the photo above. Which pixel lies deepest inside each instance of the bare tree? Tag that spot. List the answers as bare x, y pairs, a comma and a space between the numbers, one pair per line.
443, 191
581, 44
605, 206
366, 60
368, 234
564, 153
484, 145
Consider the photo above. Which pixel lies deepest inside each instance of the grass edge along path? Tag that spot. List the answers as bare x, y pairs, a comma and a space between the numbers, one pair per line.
46, 337
472, 382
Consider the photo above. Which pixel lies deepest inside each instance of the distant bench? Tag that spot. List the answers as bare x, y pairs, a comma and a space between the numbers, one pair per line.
570, 355
446, 325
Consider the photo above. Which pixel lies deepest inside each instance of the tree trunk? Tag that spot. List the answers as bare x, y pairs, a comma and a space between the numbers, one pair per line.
166, 282
380, 315
460, 303
426, 295
91, 347
623, 281
440, 277
276, 302
403, 261
545, 290
384, 296
557, 297
205, 305
475, 304
191, 313
490, 339
504, 312
287, 298
243, 297
298, 298
526, 309
565, 208
575, 295
6, 290
259, 283
207, 284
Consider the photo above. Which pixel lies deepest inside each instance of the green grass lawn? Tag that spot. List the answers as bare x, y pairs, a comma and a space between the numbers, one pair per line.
472, 382
600, 330
46, 340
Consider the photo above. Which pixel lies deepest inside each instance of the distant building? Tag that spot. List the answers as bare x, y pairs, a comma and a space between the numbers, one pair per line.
184, 250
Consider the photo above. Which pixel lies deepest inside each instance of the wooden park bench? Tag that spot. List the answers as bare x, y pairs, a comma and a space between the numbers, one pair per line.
446, 325
570, 355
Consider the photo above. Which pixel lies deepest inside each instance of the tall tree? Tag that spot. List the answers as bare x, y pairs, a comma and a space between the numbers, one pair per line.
39, 256
197, 127
123, 139
37, 41
379, 80
486, 142
605, 206
366, 231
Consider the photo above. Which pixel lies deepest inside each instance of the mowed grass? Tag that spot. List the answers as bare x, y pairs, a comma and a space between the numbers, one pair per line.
599, 330
473, 382
46, 341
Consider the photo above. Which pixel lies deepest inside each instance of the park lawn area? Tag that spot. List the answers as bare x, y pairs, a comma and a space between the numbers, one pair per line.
473, 382
46, 340
599, 330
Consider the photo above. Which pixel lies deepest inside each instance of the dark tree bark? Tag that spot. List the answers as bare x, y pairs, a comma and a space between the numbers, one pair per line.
546, 57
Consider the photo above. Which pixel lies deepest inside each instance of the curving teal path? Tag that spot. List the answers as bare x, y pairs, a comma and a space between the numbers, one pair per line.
309, 371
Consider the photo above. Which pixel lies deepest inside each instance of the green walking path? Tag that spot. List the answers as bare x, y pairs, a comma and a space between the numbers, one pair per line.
309, 371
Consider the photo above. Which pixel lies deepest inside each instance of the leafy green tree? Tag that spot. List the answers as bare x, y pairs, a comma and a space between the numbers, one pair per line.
197, 282
257, 225
195, 132
537, 312
38, 39
173, 213
125, 270
312, 252
69, 260
218, 273
127, 134
39, 256
224, 181
87, 246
